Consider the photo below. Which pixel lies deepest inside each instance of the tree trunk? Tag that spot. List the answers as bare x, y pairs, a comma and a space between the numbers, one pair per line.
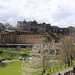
71, 61
43, 71
68, 61
65, 64
43, 68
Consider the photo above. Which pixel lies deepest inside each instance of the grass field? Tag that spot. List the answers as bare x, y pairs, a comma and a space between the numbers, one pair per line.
15, 68
15, 49
12, 55
12, 68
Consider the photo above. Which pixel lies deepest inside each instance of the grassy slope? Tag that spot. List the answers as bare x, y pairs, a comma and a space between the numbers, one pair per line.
15, 49
15, 68
12, 68
12, 55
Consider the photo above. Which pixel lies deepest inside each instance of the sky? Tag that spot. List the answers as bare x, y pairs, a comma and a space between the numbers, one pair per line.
56, 12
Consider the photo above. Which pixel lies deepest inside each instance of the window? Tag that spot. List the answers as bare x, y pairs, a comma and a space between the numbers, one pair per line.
1, 37
7, 36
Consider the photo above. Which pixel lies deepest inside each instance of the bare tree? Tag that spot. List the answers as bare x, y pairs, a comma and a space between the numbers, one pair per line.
67, 49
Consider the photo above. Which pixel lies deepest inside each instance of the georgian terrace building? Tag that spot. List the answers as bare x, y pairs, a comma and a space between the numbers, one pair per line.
12, 38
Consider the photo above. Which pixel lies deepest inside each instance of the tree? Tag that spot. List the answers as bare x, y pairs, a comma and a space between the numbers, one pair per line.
67, 48
41, 30
42, 52
42, 60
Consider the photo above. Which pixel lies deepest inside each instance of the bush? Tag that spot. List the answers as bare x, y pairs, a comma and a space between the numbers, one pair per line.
1, 52
3, 64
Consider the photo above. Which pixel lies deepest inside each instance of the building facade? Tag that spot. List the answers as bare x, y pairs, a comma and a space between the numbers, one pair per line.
20, 37
7, 37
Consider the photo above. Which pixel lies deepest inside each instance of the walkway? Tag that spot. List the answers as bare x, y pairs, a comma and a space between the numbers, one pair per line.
62, 71
6, 61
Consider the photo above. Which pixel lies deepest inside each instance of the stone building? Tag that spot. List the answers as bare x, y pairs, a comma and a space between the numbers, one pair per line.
38, 27
7, 36
33, 26
13, 37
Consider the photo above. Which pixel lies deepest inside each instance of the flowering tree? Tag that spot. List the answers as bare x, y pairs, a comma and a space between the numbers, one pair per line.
42, 55
41, 59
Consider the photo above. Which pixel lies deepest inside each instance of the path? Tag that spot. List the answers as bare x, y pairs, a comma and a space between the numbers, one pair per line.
6, 61
13, 51
62, 71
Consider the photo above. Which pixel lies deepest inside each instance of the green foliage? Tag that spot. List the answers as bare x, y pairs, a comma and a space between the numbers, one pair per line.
3, 64
11, 55
1, 52
23, 50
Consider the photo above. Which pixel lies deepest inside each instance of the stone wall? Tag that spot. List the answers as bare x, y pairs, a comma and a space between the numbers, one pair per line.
30, 38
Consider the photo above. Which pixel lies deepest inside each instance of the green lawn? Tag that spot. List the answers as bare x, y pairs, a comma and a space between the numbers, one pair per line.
12, 68
12, 55
15, 68
15, 49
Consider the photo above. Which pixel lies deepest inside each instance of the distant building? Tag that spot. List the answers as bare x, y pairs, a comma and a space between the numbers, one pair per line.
43, 28
6, 26
7, 36
0, 25
33, 26
22, 37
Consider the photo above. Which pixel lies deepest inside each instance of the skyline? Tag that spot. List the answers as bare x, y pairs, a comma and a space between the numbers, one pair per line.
55, 12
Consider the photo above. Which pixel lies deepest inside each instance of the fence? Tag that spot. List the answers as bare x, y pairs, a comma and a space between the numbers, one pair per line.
69, 73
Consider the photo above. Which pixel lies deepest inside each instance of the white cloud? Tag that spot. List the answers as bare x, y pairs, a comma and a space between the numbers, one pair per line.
56, 12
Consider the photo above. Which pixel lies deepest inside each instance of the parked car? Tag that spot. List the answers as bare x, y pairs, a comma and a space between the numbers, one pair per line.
21, 58
29, 58
3, 59
8, 59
